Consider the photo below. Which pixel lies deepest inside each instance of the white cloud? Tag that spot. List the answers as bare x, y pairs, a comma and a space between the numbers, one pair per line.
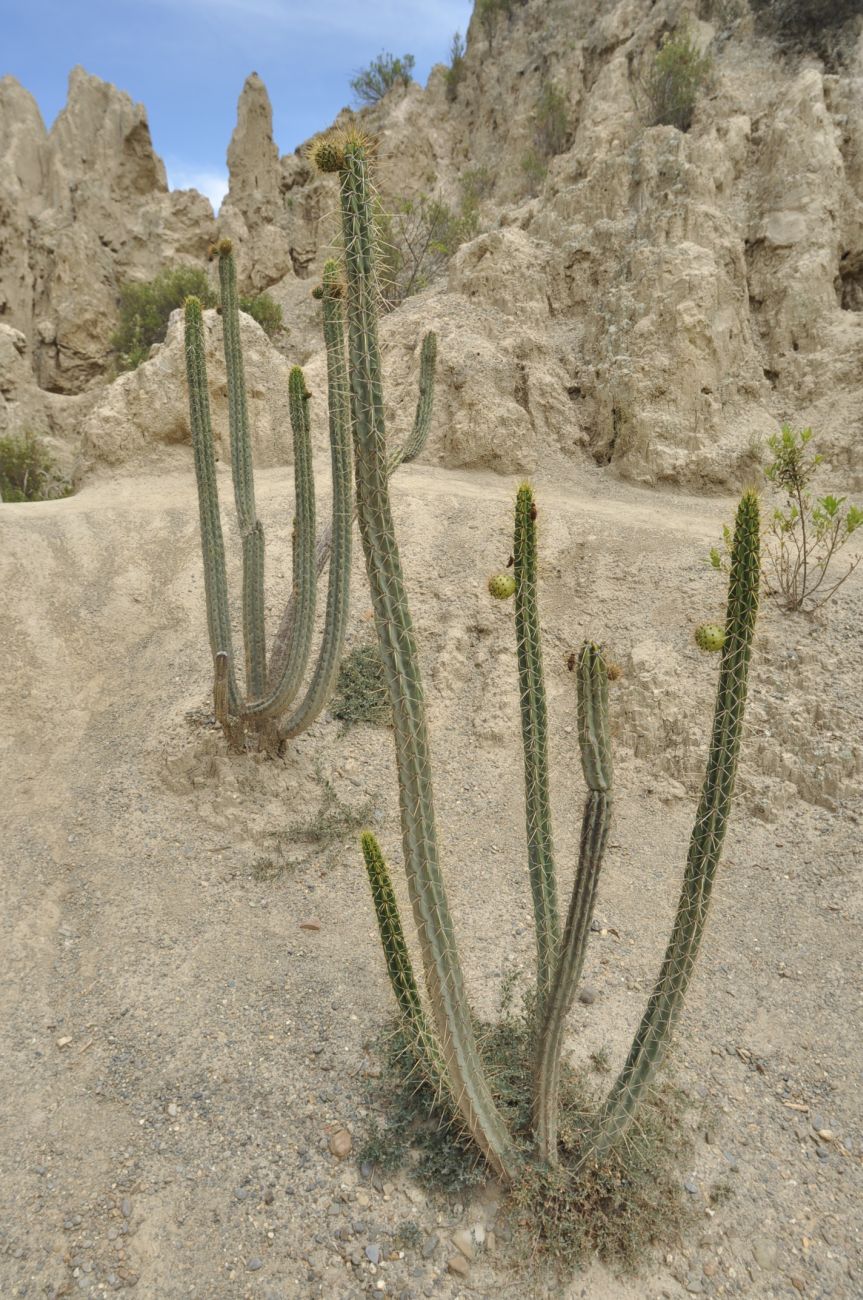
212, 184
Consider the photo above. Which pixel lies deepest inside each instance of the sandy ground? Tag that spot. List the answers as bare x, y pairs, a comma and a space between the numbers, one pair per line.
177, 1050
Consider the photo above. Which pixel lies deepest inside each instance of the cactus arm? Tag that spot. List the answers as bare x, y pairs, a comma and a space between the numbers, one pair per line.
304, 573
323, 546
593, 734
414, 444
534, 734
705, 846
442, 967
212, 543
399, 966
251, 531
338, 591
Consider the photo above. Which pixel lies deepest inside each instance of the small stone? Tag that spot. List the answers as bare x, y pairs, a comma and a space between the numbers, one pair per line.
373, 1254
694, 1285
311, 923
691, 1186
63, 1042
126, 1208
463, 1241
430, 1245
826, 1134
710, 1268
798, 1284
764, 1253
254, 1264
587, 995
458, 1265
341, 1143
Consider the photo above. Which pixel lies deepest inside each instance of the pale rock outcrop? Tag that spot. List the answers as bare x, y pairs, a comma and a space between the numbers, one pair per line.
148, 409
90, 208
663, 302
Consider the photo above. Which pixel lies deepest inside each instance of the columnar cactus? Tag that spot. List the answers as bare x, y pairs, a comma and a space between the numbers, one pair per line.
449, 1044
272, 709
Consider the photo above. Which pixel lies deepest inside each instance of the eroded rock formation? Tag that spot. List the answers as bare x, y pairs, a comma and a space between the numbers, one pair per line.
662, 302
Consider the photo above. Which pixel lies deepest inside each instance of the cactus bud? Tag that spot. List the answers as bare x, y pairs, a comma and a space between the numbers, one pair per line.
328, 154
709, 637
501, 586
318, 292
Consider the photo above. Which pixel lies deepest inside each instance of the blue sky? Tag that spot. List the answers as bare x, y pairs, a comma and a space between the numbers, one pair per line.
186, 61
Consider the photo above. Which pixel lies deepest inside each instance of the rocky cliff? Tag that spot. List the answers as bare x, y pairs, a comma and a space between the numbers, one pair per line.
661, 303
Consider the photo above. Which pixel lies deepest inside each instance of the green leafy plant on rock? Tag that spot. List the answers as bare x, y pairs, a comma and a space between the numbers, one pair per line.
272, 708
439, 1026
454, 74
806, 532
383, 73
28, 471
678, 73
146, 307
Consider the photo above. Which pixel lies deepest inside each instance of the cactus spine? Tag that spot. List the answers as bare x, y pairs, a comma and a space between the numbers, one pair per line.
711, 823
442, 967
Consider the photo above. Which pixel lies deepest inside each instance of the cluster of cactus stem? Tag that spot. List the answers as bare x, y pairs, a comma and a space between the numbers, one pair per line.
273, 707
440, 1024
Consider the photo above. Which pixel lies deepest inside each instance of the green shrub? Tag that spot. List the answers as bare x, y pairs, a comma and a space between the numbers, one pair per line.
455, 71
534, 168
475, 184
802, 18
28, 471
265, 310
146, 306
806, 532
678, 73
417, 237
361, 694
489, 11
381, 75
551, 121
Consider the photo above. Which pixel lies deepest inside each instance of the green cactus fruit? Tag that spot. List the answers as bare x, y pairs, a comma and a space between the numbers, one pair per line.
501, 586
709, 637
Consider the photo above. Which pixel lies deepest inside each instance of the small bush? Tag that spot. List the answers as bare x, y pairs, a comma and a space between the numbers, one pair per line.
804, 18
265, 310
678, 73
360, 691
381, 75
534, 169
806, 533
475, 184
489, 11
28, 471
145, 309
455, 71
551, 121
417, 238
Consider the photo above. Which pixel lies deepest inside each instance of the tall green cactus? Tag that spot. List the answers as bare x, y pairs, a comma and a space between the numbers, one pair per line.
594, 743
708, 834
401, 667
451, 1046
268, 711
